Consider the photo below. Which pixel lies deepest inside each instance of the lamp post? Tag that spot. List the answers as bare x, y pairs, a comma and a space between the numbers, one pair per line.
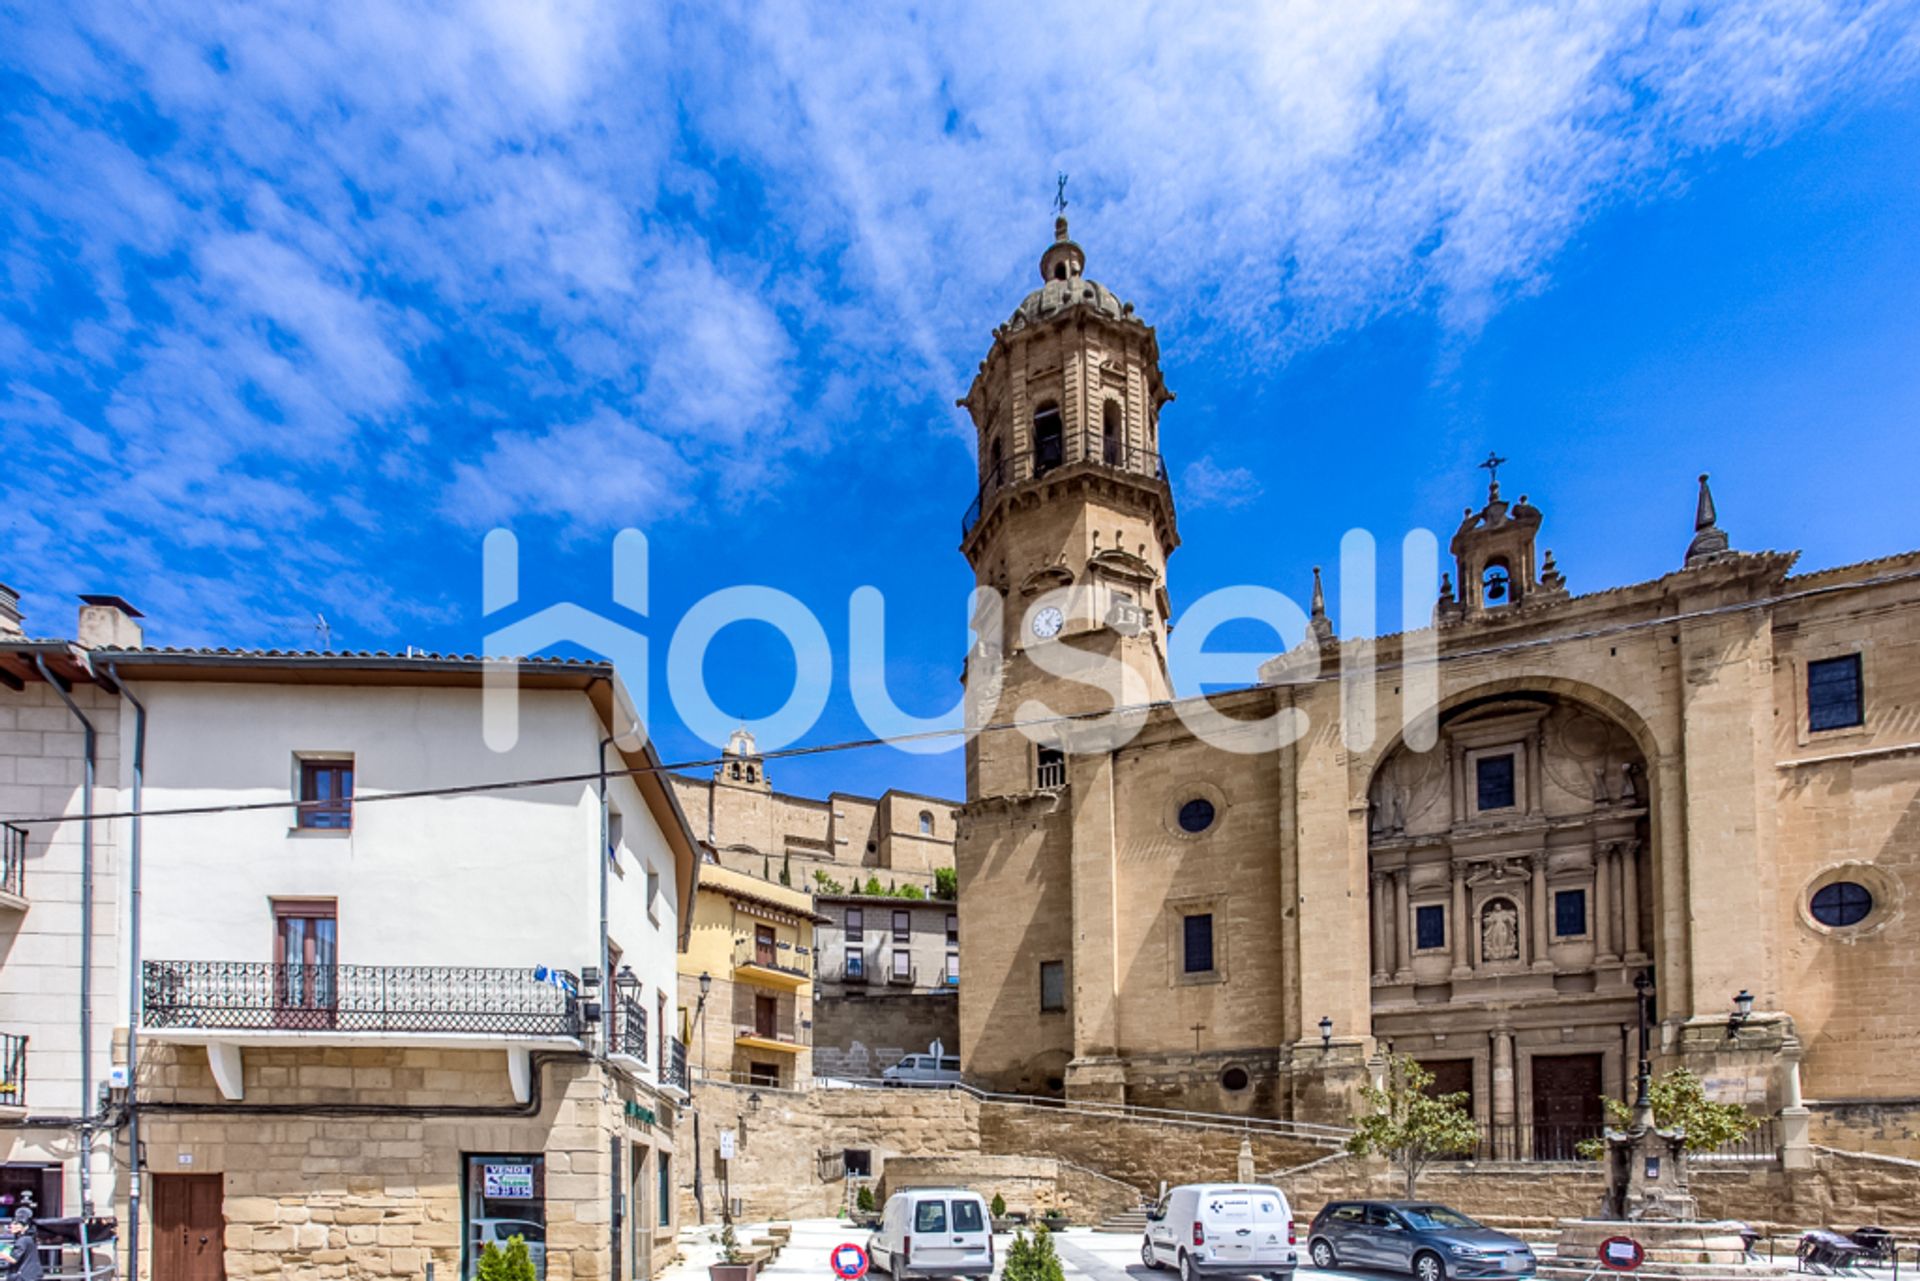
1326, 1034
620, 1025
699, 1154
1643, 1085
1742, 1011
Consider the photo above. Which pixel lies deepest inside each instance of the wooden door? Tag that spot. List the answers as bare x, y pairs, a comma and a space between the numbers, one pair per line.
764, 949
1566, 1104
189, 1228
766, 1017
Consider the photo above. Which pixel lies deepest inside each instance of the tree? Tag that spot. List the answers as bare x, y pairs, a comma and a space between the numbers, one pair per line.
1408, 1125
910, 891
863, 1201
786, 868
998, 1207
730, 1251
1680, 1102
946, 883
510, 1264
1033, 1260
873, 888
824, 884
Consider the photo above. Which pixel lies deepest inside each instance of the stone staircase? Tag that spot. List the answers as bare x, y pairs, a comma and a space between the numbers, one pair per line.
1126, 1223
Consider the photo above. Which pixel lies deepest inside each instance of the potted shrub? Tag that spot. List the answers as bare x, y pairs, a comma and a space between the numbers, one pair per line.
998, 1209
514, 1263
733, 1264
864, 1207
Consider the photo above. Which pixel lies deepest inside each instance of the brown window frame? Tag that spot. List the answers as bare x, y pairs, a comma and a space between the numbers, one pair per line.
324, 814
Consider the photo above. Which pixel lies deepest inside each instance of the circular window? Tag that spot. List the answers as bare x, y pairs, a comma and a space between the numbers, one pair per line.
1841, 904
1196, 815
1235, 1079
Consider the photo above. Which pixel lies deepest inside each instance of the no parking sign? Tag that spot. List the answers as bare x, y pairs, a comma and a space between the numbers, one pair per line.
1621, 1254
849, 1262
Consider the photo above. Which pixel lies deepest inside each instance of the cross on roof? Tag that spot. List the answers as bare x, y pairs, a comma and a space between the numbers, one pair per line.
1060, 195
1493, 464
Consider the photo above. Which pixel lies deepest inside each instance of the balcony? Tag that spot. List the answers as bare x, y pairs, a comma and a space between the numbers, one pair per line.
13, 1072
674, 1077
848, 973
627, 1034
1088, 448
13, 867
901, 977
783, 1038
772, 964
228, 1005
769, 1023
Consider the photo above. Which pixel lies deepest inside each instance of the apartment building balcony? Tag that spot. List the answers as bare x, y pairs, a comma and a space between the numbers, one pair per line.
13, 868
627, 1033
763, 1022
13, 1073
901, 975
229, 1006
674, 1075
772, 963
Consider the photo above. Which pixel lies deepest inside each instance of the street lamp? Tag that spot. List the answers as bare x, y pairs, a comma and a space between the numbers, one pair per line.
1742, 1011
1326, 1034
753, 1101
1643, 1100
699, 1030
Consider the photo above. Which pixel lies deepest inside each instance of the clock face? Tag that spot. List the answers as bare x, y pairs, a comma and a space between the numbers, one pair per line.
1047, 622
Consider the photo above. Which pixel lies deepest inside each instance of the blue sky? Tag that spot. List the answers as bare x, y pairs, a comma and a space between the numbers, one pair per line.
297, 303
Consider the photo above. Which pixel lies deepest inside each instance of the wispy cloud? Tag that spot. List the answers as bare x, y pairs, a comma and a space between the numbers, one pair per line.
1207, 484
286, 289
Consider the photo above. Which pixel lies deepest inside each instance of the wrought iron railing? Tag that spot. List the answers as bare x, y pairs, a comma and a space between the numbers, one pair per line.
629, 1029
1562, 1143
787, 958
1065, 450
898, 977
1762, 1143
13, 868
785, 1030
258, 995
847, 973
13, 1071
674, 1073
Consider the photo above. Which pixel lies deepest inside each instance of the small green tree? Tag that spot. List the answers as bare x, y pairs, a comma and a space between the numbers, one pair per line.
873, 888
1410, 1126
863, 1202
824, 884
998, 1207
946, 883
510, 1264
1033, 1260
1680, 1102
910, 891
730, 1251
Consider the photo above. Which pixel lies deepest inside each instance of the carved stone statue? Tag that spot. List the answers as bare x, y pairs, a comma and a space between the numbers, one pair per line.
1500, 932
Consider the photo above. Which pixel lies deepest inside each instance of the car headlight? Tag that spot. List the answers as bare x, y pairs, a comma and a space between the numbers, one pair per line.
1465, 1249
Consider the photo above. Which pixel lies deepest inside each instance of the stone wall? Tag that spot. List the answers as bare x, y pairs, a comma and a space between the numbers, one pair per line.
373, 1196
862, 1037
1029, 1184
1891, 1128
1140, 1153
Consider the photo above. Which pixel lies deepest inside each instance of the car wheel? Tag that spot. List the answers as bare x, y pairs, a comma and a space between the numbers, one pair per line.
1428, 1267
1186, 1268
1322, 1252
1148, 1257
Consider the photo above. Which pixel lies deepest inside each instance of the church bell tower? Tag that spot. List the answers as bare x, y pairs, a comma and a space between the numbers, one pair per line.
1073, 520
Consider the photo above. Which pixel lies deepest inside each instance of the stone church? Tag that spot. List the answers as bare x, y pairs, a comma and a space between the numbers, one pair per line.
1708, 783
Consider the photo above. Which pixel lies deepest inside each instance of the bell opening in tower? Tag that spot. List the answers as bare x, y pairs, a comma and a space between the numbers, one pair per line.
1047, 438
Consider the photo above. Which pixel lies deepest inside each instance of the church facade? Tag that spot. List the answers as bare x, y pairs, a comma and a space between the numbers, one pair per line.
1706, 785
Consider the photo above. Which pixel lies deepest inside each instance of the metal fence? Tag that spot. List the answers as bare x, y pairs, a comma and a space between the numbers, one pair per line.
628, 1033
259, 995
13, 1071
1052, 452
674, 1072
13, 860
1543, 1142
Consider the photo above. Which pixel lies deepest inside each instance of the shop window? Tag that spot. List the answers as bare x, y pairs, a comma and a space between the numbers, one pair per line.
506, 1197
1430, 927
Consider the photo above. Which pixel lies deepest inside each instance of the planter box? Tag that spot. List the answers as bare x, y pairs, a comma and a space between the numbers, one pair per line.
731, 1271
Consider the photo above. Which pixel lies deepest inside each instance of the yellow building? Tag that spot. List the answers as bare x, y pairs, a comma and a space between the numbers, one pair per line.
746, 981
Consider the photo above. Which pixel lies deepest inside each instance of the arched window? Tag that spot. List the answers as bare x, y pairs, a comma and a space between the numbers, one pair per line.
926, 822
1059, 271
1047, 430
1110, 434
1496, 584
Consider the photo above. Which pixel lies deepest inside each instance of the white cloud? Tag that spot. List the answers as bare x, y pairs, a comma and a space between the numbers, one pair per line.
1207, 484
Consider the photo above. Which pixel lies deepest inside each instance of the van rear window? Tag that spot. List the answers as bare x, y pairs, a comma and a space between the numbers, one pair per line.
930, 1216
966, 1216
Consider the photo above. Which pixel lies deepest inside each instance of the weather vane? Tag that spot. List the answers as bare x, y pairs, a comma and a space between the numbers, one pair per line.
1493, 464
1060, 196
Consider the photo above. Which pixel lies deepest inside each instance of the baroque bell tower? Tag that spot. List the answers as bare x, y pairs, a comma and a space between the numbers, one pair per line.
1073, 520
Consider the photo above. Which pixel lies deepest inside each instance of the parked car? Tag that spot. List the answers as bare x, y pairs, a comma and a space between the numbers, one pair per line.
1434, 1242
933, 1232
923, 1069
500, 1231
1210, 1229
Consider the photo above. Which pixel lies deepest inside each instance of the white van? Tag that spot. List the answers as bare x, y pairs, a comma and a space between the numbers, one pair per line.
934, 1232
1211, 1229
923, 1069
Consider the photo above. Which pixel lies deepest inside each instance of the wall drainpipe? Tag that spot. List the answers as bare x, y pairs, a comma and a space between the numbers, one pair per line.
88, 1109
135, 986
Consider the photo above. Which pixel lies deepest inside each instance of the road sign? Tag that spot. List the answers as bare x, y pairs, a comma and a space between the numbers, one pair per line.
726, 1145
1621, 1254
849, 1262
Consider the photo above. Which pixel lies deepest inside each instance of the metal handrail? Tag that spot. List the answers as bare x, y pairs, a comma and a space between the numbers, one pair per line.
259, 995
13, 861
1068, 449
675, 1072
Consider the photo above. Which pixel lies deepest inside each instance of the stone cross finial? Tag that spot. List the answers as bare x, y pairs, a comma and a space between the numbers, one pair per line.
1060, 197
1493, 465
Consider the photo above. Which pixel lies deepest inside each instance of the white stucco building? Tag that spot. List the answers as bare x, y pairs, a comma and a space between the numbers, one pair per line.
364, 965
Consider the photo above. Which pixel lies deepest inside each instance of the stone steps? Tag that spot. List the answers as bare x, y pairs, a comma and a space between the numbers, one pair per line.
1129, 1223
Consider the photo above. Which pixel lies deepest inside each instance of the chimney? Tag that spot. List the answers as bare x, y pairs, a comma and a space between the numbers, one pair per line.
10, 615
108, 622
